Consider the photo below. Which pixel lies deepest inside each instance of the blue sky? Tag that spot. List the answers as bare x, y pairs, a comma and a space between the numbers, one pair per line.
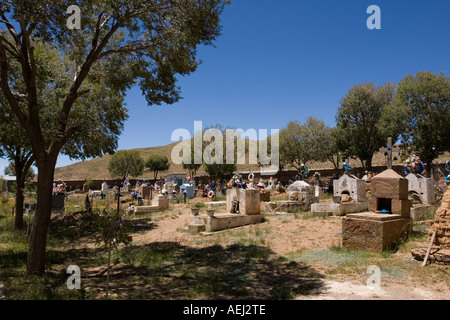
278, 61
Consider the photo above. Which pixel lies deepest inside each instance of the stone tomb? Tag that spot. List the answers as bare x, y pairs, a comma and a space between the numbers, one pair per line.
376, 231
301, 197
349, 197
249, 212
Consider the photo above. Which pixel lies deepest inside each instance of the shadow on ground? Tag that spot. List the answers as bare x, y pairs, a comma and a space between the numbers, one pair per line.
168, 270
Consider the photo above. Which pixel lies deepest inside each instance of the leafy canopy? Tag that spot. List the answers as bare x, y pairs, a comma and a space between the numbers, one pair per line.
125, 163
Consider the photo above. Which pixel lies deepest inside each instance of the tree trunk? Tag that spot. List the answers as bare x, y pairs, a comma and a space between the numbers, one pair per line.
38, 236
368, 166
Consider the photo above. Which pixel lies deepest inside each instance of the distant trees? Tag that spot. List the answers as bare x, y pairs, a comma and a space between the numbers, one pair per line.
14, 146
125, 163
214, 158
360, 122
311, 141
156, 164
421, 110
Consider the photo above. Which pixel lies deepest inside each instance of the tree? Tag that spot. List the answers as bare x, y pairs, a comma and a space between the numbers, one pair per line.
422, 110
126, 163
311, 141
14, 146
293, 149
73, 102
157, 164
189, 163
216, 166
359, 121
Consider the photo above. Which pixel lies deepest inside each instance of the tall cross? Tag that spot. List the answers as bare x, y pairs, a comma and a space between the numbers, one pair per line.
388, 152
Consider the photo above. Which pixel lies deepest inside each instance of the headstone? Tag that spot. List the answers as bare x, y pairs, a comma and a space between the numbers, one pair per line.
161, 201
248, 199
189, 188
144, 191
105, 187
423, 187
350, 185
58, 202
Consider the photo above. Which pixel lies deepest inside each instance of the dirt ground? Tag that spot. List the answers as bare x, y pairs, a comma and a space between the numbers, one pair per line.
285, 234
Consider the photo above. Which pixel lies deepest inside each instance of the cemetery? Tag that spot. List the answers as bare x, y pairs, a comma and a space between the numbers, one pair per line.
106, 195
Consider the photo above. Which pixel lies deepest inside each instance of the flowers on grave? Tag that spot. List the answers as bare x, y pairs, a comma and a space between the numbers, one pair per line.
59, 188
346, 167
235, 182
413, 165
303, 170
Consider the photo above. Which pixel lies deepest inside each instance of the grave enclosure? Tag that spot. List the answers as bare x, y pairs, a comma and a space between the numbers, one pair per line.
249, 212
349, 196
375, 230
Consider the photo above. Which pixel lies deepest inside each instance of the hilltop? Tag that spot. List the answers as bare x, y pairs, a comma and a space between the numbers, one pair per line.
97, 169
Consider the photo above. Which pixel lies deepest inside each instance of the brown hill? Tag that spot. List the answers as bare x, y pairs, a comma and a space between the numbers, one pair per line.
97, 169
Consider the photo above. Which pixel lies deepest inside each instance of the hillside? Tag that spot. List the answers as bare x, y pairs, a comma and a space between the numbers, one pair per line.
97, 169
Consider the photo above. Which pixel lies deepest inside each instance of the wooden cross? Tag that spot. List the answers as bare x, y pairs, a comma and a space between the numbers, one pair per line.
389, 151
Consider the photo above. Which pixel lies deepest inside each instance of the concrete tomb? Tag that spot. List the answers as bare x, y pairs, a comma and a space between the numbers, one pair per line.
159, 203
349, 196
243, 208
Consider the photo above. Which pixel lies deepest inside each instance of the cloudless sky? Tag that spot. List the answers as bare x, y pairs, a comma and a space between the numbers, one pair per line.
283, 60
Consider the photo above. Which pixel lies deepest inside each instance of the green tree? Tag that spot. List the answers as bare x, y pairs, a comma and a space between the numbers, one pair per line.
217, 167
72, 100
311, 141
422, 110
362, 131
156, 164
126, 163
189, 162
15, 147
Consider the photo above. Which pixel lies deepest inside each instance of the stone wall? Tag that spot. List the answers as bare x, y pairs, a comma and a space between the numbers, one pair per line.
442, 223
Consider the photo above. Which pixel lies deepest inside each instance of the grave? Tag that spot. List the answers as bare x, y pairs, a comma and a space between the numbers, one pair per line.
301, 197
421, 190
58, 201
349, 196
160, 203
243, 208
145, 192
189, 190
388, 220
